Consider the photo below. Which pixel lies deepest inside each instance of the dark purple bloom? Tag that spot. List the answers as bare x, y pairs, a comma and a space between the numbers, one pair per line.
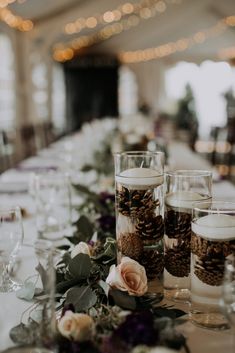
138, 328
106, 197
106, 222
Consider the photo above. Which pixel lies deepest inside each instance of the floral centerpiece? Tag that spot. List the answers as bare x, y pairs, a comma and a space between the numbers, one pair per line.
101, 307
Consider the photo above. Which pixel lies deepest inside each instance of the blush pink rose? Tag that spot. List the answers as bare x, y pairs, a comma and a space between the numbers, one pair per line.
76, 326
128, 276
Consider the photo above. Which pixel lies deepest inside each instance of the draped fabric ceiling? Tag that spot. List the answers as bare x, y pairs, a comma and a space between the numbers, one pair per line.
181, 18
177, 21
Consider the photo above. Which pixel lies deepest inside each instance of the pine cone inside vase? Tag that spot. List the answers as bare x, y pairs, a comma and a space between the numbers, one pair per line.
130, 244
134, 203
177, 261
123, 201
210, 270
150, 227
177, 224
153, 262
203, 247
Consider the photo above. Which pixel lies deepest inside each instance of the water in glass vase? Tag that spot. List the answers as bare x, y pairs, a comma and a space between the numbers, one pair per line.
140, 225
177, 243
213, 241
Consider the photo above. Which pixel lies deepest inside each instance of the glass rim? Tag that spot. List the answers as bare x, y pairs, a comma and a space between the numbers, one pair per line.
188, 173
138, 153
214, 210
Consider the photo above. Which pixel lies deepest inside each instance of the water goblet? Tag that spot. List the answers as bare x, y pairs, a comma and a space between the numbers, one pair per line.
53, 205
11, 237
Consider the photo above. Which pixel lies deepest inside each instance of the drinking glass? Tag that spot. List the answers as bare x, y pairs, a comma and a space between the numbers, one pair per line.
212, 243
139, 211
53, 205
11, 237
183, 187
37, 274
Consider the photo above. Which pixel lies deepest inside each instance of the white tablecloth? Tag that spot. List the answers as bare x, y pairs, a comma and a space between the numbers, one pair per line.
11, 308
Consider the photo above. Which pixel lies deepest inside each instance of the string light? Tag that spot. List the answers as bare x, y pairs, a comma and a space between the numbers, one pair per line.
15, 21
227, 53
144, 8
180, 45
5, 3
114, 27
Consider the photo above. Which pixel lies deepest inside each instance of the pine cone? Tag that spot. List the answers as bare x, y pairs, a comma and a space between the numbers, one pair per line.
153, 262
177, 261
130, 244
150, 227
123, 201
210, 270
178, 224
203, 247
134, 203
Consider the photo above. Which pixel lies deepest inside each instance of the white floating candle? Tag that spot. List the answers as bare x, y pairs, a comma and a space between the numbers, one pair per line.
140, 178
217, 227
183, 199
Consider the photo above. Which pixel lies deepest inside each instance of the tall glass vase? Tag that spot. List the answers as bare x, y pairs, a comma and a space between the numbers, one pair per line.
212, 248
183, 188
139, 212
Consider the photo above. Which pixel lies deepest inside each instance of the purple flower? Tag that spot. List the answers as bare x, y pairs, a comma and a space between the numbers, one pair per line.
138, 328
106, 222
106, 197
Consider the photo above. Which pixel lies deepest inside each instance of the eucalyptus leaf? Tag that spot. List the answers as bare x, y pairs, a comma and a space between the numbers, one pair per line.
85, 229
87, 168
123, 299
82, 298
65, 285
109, 252
63, 247
43, 274
66, 258
27, 291
83, 189
80, 266
21, 334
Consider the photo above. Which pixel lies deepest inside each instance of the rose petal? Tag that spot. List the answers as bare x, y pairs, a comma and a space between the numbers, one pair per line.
115, 279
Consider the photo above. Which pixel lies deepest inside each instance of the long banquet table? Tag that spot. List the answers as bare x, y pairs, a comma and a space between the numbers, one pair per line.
199, 340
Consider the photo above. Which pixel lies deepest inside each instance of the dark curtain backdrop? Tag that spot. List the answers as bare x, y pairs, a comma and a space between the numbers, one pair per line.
91, 89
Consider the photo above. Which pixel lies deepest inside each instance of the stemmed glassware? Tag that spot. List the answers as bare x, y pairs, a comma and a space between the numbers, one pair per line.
11, 237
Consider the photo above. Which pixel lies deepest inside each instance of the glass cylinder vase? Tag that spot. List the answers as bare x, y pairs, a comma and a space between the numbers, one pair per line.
183, 188
139, 212
213, 242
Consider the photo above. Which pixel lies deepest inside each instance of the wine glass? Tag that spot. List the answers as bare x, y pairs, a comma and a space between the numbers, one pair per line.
228, 293
11, 237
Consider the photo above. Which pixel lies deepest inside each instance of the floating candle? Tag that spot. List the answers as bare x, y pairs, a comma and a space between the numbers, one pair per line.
184, 199
217, 227
140, 178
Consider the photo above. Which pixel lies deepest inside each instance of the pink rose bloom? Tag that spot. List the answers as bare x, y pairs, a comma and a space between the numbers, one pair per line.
129, 276
79, 327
